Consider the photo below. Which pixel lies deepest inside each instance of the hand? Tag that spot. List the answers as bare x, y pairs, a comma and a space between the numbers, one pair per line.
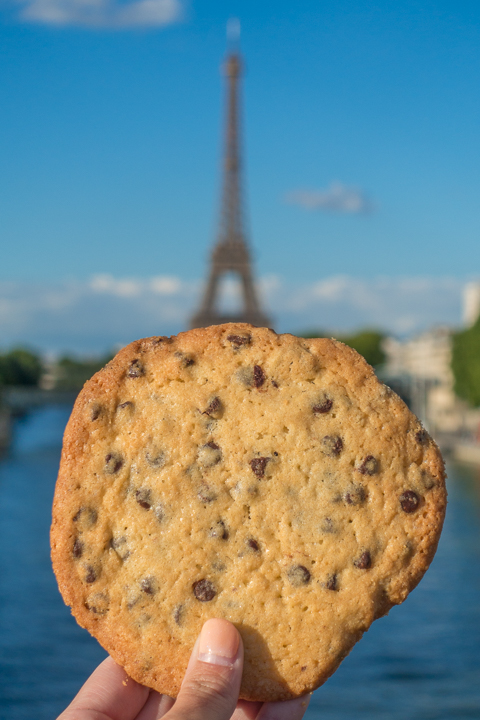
209, 689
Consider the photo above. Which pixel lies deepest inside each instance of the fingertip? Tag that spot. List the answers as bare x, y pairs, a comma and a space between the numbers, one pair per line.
219, 642
211, 684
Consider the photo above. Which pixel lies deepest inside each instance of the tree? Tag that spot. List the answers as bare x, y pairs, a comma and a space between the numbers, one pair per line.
20, 367
466, 363
369, 344
73, 373
366, 342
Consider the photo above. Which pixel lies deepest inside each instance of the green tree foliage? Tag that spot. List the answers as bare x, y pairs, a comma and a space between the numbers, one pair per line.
366, 342
369, 344
20, 367
73, 373
466, 363
312, 333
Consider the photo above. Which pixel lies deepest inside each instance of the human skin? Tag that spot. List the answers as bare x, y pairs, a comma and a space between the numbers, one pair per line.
209, 689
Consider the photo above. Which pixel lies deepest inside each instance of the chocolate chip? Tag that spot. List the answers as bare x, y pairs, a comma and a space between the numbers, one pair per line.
97, 603
209, 455
142, 620
259, 376
206, 494
303, 668
275, 384
327, 526
408, 549
218, 566
355, 495
144, 498
369, 466
324, 405
214, 407
239, 340
155, 459
85, 518
331, 583
177, 614
422, 437
120, 546
364, 562
77, 548
204, 590
253, 545
258, 466
132, 597
113, 463
90, 574
136, 369
219, 530
159, 512
148, 585
244, 489
298, 575
332, 445
126, 404
245, 376
96, 411
185, 360
409, 501
428, 481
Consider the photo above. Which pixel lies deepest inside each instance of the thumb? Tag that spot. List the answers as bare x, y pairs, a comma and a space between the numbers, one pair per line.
211, 684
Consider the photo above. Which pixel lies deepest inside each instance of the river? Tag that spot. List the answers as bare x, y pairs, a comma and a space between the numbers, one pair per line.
422, 662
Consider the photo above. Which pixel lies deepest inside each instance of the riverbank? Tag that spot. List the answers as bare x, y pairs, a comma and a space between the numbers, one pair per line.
20, 400
17, 401
5, 429
457, 448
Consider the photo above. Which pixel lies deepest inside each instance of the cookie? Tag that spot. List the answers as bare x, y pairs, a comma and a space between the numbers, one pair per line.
233, 472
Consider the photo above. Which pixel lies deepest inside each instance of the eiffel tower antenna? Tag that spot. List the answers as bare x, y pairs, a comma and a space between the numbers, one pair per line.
231, 253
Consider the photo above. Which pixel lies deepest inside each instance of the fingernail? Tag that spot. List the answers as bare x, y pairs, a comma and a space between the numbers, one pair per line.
219, 642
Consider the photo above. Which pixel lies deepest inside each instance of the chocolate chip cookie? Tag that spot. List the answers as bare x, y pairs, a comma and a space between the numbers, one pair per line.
233, 472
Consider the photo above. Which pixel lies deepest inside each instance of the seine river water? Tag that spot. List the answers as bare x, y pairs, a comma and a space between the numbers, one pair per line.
422, 662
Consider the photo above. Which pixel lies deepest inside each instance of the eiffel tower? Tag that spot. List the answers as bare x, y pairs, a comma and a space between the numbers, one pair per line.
231, 253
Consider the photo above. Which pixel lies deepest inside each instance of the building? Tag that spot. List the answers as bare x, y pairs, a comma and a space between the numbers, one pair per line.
422, 365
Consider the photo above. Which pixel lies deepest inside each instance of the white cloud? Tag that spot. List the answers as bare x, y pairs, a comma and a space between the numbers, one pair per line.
165, 285
122, 287
268, 284
331, 288
102, 13
104, 311
337, 198
400, 305
133, 287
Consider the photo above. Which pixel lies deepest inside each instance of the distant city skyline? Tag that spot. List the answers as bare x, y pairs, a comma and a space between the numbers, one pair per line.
361, 137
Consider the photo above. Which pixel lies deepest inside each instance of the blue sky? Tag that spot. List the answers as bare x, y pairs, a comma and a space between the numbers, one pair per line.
361, 136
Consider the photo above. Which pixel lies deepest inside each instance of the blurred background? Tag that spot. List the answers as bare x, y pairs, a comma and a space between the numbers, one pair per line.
327, 182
